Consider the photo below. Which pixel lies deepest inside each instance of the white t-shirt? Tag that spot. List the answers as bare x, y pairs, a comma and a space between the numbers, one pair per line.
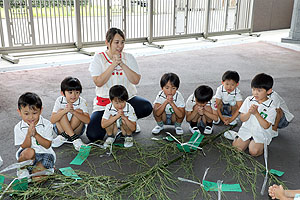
43, 127
251, 127
228, 98
61, 103
128, 110
280, 103
177, 99
100, 63
192, 101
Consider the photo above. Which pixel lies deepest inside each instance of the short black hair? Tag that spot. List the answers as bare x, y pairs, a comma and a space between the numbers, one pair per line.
262, 80
231, 75
118, 91
70, 84
203, 93
30, 99
173, 78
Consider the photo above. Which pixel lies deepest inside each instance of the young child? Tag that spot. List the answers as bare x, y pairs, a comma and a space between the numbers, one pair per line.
277, 192
228, 98
34, 135
201, 110
258, 113
119, 116
169, 104
283, 117
69, 114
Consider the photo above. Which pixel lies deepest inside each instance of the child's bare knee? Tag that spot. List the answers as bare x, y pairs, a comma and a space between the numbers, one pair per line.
255, 152
28, 154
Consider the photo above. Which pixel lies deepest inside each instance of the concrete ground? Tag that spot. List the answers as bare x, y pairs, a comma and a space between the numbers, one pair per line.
196, 62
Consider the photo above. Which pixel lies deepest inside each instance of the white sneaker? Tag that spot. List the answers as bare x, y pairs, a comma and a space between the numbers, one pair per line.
77, 144
58, 141
138, 128
22, 173
234, 122
128, 142
179, 130
194, 129
230, 135
109, 140
208, 130
274, 133
217, 122
157, 129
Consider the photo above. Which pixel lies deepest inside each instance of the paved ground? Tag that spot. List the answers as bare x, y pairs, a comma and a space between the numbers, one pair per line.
201, 66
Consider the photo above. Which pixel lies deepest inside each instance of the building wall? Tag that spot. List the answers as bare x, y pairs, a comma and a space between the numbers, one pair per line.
272, 14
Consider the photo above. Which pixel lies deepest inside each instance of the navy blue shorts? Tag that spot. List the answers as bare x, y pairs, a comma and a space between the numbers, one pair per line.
226, 110
46, 159
283, 122
169, 119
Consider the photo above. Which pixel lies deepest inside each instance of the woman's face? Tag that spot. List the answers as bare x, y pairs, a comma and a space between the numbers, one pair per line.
116, 46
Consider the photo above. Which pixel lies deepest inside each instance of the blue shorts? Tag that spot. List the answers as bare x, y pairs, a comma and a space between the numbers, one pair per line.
283, 122
226, 110
56, 130
169, 119
46, 159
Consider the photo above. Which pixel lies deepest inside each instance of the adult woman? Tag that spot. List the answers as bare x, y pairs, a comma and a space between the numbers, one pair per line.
109, 68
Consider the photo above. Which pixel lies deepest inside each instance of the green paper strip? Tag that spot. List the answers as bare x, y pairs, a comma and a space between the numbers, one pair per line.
276, 172
212, 186
68, 171
82, 155
20, 185
119, 145
1, 181
169, 138
184, 148
193, 140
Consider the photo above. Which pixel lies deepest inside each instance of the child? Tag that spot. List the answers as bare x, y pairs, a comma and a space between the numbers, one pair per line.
69, 114
283, 117
277, 192
169, 104
201, 110
228, 98
119, 116
258, 113
34, 135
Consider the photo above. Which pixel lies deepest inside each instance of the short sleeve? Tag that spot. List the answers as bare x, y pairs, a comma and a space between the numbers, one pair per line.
96, 66
83, 106
189, 104
131, 115
245, 107
238, 96
213, 104
47, 132
132, 64
180, 102
106, 113
19, 135
159, 99
219, 93
57, 105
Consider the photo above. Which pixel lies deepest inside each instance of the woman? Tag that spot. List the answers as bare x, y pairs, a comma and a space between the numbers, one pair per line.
109, 68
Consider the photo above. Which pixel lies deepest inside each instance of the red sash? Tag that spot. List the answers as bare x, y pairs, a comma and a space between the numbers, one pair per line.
102, 101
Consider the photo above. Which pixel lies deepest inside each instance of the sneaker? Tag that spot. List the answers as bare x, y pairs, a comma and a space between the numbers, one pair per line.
109, 140
77, 144
128, 142
208, 130
274, 133
217, 122
138, 128
179, 130
234, 122
230, 135
194, 129
22, 173
157, 129
58, 141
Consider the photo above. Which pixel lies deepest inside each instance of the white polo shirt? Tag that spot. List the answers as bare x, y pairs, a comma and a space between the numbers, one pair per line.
128, 110
61, 103
228, 98
100, 63
177, 99
251, 127
192, 101
43, 127
280, 103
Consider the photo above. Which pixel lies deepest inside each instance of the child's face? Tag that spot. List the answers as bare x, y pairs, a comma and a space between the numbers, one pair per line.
116, 46
118, 104
30, 115
201, 104
72, 96
260, 94
169, 89
229, 85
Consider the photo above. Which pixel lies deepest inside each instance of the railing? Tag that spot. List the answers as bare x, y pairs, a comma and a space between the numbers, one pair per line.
31, 25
